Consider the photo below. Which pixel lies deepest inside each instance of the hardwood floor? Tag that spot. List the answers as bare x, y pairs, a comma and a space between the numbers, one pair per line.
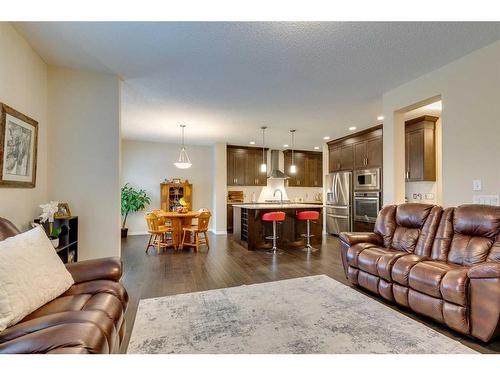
228, 264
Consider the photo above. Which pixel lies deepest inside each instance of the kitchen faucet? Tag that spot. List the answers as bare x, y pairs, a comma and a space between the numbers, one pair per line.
281, 196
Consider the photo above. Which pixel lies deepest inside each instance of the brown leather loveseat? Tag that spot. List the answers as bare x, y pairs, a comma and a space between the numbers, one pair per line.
444, 264
88, 318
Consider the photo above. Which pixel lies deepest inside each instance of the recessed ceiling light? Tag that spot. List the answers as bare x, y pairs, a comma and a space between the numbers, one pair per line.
380, 118
285, 145
352, 128
252, 142
326, 138
316, 147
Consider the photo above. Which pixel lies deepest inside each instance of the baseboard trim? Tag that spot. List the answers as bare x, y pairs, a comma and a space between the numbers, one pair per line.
138, 233
217, 232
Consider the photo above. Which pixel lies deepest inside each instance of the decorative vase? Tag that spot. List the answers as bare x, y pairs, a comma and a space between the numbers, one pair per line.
55, 242
124, 232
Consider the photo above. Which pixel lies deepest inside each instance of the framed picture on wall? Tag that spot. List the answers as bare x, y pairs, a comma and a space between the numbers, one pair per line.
18, 148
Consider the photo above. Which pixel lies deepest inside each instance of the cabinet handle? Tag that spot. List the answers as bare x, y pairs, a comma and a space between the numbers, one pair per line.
407, 175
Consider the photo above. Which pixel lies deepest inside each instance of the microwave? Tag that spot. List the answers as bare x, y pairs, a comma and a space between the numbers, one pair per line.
367, 179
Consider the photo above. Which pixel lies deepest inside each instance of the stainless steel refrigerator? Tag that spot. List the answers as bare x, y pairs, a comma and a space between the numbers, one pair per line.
339, 216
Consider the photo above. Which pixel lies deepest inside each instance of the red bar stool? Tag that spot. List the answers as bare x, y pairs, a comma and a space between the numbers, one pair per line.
275, 217
308, 216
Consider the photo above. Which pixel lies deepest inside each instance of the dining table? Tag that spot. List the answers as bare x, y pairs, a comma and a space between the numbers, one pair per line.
179, 221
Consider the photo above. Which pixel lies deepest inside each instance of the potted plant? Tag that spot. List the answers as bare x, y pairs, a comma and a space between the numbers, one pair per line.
133, 200
48, 211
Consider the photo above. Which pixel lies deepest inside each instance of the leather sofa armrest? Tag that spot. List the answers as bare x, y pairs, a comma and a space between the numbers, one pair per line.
487, 270
352, 238
96, 269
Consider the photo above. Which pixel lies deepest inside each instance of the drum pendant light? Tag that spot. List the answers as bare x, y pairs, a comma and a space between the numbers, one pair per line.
293, 167
263, 166
183, 162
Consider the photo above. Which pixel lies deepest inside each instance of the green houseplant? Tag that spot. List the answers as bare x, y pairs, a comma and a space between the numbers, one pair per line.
133, 200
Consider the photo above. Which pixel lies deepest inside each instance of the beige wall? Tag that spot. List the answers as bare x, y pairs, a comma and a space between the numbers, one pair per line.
146, 164
84, 160
470, 91
23, 86
219, 179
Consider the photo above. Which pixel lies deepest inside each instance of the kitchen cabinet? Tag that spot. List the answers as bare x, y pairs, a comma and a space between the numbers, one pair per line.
341, 157
309, 168
361, 150
368, 153
420, 149
229, 218
243, 166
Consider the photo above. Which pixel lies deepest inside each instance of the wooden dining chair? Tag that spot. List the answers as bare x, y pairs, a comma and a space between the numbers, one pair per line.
196, 230
157, 233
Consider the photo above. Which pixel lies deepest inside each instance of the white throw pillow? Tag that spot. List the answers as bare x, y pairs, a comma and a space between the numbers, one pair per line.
31, 274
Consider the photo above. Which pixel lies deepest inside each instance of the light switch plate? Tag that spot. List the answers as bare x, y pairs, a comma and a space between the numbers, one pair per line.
476, 185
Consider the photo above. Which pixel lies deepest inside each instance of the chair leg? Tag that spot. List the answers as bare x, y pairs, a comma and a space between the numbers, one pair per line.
206, 240
149, 243
158, 242
197, 241
183, 239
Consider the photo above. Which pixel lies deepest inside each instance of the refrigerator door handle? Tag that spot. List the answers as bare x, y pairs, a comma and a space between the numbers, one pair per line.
338, 216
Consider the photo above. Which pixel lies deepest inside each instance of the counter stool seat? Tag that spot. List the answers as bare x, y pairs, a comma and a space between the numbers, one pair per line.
308, 216
274, 217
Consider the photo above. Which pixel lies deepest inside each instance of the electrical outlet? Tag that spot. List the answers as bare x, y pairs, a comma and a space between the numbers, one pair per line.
492, 200
476, 185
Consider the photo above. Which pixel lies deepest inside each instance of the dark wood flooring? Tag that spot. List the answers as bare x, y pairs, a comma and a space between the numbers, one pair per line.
227, 264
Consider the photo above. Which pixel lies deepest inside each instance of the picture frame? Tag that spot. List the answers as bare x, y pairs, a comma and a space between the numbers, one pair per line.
18, 148
63, 211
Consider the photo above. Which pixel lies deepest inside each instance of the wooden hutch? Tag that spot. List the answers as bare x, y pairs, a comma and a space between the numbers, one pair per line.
172, 192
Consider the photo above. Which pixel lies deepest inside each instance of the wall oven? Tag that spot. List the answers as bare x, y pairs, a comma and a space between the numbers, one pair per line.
366, 206
367, 179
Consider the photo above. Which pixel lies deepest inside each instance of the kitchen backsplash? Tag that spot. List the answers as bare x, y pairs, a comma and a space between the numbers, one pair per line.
294, 193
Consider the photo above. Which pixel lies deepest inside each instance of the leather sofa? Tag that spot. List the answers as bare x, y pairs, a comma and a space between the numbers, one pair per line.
444, 264
88, 318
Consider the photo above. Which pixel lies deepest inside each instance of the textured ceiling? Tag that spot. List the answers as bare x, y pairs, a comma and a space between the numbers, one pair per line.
225, 80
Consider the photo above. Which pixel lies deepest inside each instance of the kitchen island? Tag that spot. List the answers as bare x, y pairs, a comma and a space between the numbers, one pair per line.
250, 231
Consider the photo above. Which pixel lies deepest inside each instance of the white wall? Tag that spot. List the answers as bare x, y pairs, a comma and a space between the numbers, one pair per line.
23, 86
219, 198
470, 123
84, 160
146, 164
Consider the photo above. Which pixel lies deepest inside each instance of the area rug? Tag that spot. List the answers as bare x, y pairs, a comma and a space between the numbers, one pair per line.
305, 315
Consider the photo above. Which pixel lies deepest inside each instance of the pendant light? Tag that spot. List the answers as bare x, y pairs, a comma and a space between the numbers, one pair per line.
263, 166
293, 167
183, 162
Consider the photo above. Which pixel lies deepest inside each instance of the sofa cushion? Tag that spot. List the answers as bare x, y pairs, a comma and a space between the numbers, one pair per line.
89, 299
85, 336
402, 267
354, 251
379, 261
31, 274
441, 280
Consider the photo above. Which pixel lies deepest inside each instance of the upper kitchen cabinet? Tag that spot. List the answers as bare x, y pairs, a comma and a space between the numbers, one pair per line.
361, 150
309, 168
243, 166
420, 149
341, 157
368, 151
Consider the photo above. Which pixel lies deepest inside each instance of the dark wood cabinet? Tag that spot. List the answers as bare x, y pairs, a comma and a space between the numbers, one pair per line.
420, 149
309, 168
230, 218
357, 151
243, 166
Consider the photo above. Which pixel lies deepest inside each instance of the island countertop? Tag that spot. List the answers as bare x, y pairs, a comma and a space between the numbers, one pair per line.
276, 206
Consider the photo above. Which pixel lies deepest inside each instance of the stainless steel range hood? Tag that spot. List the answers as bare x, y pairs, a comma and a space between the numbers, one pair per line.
275, 163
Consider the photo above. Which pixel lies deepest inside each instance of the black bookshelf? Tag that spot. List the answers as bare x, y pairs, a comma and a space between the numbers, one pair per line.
68, 239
